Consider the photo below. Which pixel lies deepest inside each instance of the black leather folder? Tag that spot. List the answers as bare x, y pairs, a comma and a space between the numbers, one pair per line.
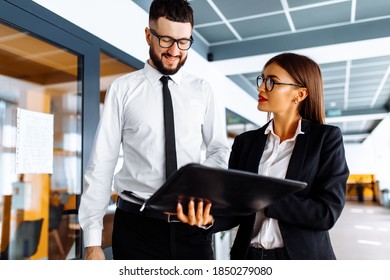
231, 192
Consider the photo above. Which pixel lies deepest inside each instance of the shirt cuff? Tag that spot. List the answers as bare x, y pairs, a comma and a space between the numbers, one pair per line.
92, 237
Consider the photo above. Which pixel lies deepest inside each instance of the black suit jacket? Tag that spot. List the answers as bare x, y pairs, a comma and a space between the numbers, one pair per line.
304, 217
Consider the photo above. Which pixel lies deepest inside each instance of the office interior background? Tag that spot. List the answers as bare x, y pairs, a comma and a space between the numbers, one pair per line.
58, 58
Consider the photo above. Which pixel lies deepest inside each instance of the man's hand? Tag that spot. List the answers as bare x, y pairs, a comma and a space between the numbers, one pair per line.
200, 217
94, 253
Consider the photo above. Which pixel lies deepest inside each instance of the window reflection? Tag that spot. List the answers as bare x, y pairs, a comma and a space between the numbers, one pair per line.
38, 216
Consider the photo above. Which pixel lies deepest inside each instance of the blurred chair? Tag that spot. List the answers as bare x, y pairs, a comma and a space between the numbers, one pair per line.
24, 243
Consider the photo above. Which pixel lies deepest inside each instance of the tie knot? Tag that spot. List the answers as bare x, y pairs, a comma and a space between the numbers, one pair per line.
164, 79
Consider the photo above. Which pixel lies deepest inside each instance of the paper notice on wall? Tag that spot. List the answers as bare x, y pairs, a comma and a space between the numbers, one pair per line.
34, 142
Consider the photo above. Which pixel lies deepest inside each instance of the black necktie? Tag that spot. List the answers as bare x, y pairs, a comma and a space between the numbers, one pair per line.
170, 147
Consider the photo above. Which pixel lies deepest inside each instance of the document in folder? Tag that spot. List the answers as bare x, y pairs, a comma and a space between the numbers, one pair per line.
231, 192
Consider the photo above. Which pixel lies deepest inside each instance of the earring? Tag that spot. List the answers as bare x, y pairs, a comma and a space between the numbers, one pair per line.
295, 101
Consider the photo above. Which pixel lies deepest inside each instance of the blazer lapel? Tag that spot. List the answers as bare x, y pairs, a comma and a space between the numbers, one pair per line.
257, 150
299, 153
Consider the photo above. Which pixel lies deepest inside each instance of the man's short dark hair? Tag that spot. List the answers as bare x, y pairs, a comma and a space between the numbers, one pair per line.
173, 10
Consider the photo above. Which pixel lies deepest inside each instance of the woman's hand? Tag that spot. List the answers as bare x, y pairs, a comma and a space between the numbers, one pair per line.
200, 217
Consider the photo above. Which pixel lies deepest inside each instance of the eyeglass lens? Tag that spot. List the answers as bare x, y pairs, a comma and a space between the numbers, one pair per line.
269, 83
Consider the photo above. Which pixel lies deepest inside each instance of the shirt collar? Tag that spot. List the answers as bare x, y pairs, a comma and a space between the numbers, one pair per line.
153, 75
270, 129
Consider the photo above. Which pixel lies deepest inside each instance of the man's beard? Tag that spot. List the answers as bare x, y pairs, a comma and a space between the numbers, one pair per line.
157, 62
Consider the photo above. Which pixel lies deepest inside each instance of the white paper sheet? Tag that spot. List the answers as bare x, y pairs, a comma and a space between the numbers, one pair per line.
34, 142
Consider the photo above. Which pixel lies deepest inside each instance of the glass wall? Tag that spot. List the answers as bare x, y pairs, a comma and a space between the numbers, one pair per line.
40, 148
53, 79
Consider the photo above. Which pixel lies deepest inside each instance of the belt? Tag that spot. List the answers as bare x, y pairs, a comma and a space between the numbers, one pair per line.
150, 213
268, 254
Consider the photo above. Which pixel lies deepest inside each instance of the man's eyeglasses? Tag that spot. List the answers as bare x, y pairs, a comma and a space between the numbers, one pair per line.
167, 41
269, 83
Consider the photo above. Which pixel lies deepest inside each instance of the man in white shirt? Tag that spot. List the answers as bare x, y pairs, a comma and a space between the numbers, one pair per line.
133, 117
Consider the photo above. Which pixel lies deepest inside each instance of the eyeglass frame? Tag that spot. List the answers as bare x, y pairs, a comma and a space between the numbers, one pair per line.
264, 80
191, 40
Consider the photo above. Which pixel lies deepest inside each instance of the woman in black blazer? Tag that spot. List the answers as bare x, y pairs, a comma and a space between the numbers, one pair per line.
294, 144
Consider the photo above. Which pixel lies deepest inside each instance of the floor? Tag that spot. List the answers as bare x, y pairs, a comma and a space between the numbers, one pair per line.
362, 232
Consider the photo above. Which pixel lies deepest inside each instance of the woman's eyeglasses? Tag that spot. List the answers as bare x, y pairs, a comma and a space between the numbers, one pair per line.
269, 83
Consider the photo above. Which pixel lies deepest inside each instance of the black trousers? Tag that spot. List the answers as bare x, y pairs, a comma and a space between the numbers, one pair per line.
136, 237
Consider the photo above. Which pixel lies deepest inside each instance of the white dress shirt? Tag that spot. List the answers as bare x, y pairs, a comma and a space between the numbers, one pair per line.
133, 116
274, 162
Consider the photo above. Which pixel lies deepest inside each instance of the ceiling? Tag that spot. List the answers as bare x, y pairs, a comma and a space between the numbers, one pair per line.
27, 58
350, 39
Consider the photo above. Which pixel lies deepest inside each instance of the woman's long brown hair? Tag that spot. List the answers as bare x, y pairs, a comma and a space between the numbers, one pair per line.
306, 72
